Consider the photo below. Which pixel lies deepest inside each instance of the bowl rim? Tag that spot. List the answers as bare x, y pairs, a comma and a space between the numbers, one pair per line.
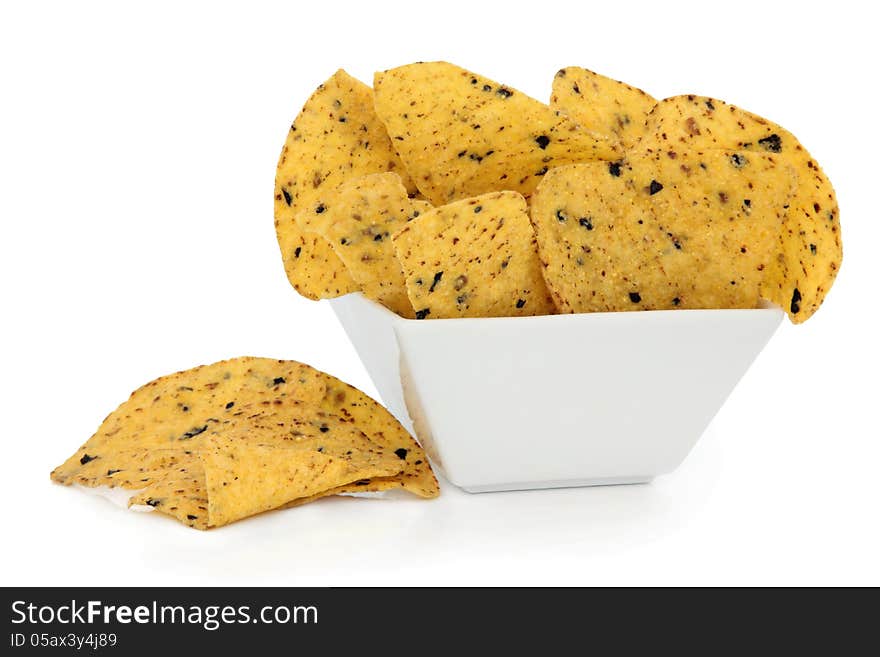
764, 307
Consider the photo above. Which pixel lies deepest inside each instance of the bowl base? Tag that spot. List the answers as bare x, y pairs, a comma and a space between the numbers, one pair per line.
565, 483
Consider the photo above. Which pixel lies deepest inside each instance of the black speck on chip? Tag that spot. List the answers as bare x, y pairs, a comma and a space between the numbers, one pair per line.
437, 278
710, 105
614, 169
543, 141
560, 216
230, 405
424, 312
153, 502
278, 380
654, 187
297, 251
520, 303
676, 301
86, 458
113, 472
401, 453
320, 208
378, 238
473, 80
586, 223
795, 302
195, 431
773, 143
478, 209
323, 428
486, 87
287, 197
504, 93
190, 516
813, 249
738, 161
541, 171
635, 297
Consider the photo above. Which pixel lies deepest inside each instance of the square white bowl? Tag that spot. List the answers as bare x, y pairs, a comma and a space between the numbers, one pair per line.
558, 400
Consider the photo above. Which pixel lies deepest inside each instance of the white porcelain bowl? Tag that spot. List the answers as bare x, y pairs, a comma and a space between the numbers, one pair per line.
561, 400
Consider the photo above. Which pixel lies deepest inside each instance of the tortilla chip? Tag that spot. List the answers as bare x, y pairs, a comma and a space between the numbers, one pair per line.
180, 493
363, 215
174, 412
246, 475
383, 429
182, 490
602, 105
810, 252
473, 258
130, 468
460, 134
156, 442
679, 229
336, 136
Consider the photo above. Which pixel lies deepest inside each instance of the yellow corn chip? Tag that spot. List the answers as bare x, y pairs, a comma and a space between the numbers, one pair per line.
382, 428
810, 251
363, 215
679, 229
460, 134
180, 493
601, 105
244, 477
130, 468
473, 258
156, 442
337, 135
174, 412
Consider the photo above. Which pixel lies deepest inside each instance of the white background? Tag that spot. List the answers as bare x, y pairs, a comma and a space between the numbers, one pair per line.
137, 155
